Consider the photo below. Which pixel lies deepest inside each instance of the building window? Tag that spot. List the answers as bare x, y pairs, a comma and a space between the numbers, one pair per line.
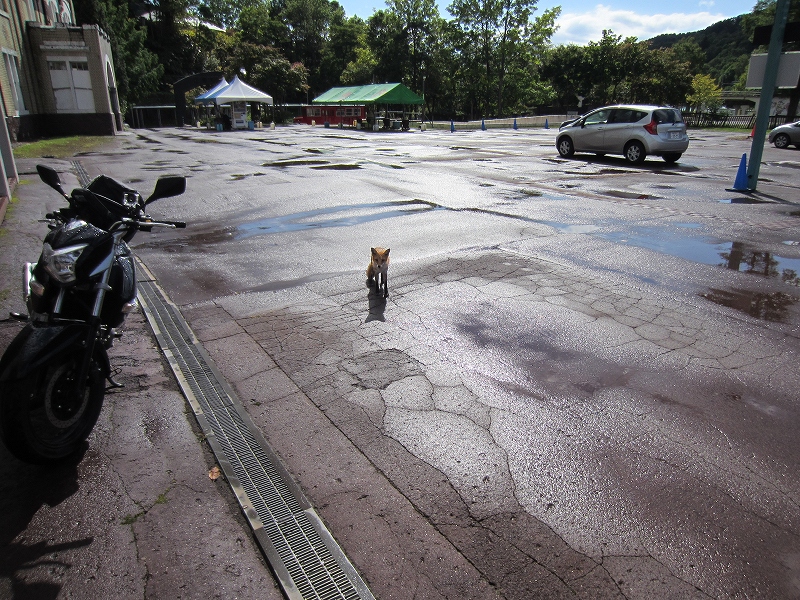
50, 12
12, 68
64, 13
72, 85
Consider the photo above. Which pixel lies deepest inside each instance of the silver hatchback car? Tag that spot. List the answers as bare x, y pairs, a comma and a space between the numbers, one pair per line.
632, 130
786, 135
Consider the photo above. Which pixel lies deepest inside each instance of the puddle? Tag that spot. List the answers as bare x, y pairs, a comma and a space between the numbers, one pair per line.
346, 167
565, 228
739, 257
295, 163
736, 256
743, 200
240, 176
311, 162
386, 165
356, 216
627, 195
273, 142
772, 306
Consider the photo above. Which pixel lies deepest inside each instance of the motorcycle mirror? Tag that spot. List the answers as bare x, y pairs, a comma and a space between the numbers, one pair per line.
167, 187
50, 177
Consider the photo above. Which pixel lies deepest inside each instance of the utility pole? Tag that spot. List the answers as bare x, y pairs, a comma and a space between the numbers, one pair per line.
767, 92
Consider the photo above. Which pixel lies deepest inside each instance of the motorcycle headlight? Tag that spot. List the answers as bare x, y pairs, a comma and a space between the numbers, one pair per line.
61, 263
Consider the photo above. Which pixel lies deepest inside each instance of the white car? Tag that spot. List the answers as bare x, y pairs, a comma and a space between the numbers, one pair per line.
632, 130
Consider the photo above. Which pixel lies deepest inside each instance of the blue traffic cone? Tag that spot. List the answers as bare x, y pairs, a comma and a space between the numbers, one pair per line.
515, 122
741, 176
483, 125
452, 126
546, 124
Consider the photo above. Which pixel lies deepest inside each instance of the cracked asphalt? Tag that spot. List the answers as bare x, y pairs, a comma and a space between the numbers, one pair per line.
562, 397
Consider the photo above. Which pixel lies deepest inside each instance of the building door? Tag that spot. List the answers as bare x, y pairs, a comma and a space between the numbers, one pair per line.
72, 85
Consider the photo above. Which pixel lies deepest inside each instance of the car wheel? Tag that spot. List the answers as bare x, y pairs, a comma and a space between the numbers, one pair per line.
634, 152
672, 157
781, 140
565, 147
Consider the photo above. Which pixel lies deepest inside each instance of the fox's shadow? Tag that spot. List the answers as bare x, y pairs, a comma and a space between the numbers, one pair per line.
377, 304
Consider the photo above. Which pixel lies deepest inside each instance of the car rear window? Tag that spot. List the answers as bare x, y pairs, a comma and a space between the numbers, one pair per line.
667, 115
637, 115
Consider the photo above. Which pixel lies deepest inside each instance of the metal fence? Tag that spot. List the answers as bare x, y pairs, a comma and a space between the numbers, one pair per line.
152, 116
735, 121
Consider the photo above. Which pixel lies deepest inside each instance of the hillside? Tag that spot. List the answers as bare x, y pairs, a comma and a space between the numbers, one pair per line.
726, 48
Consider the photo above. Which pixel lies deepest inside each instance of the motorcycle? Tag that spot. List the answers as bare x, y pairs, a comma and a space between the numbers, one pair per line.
53, 374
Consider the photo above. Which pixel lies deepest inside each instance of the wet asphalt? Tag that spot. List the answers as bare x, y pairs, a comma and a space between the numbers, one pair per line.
138, 516
534, 416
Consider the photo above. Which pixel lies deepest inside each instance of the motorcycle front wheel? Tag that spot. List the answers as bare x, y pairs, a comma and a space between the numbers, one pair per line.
42, 418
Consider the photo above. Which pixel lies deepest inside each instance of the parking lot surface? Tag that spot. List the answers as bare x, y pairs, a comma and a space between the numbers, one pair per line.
583, 382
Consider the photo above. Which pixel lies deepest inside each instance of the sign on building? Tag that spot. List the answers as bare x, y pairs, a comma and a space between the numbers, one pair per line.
788, 70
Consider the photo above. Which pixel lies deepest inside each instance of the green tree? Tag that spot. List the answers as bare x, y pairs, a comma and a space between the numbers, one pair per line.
264, 68
169, 37
258, 23
764, 14
345, 38
705, 94
308, 24
137, 70
387, 41
494, 38
567, 69
689, 52
417, 18
360, 70
616, 70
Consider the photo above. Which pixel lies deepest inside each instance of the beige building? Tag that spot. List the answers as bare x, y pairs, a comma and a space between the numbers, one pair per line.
57, 78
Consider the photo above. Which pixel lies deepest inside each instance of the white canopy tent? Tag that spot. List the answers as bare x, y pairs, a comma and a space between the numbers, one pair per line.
237, 93
204, 97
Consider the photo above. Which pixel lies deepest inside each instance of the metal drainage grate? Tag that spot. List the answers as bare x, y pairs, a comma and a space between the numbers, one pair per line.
80, 171
307, 561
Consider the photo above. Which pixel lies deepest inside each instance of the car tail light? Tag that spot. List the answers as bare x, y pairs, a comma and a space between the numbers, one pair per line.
652, 127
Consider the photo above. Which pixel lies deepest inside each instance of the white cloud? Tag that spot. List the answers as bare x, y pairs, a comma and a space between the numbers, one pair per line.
581, 28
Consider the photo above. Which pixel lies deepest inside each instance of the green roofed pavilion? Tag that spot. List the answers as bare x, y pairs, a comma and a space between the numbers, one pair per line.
379, 93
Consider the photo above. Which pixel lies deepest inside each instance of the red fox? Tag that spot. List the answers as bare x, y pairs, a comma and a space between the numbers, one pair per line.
378, 269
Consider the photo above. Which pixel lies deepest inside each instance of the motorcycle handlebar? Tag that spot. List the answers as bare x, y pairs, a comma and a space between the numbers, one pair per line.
172, 224
175, 224
147, 225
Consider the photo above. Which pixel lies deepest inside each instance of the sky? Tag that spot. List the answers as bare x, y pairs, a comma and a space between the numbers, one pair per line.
582, 21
